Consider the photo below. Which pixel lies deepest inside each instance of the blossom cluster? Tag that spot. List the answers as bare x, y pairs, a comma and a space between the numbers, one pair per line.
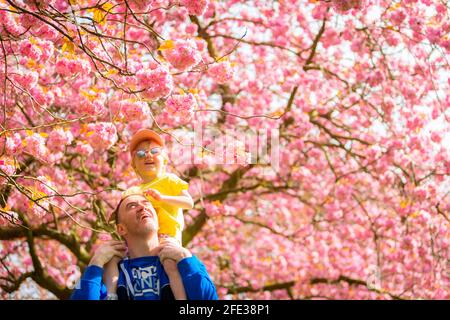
101, 135
130, 109
156, 82
195, 7
221, 72
180, 107
182, 54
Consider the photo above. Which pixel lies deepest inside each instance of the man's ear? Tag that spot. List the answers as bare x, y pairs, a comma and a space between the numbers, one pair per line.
121, 230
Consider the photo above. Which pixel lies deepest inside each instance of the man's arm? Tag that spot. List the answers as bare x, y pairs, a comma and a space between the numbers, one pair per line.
90, 286
197, 283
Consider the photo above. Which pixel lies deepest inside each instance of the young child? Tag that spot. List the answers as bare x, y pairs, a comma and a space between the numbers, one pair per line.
168, 194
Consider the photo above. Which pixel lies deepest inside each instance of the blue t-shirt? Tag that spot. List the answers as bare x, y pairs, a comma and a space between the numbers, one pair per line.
142, 278
145, 279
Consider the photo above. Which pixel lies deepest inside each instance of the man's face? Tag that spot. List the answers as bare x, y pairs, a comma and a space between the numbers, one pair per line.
148, 158
137, 216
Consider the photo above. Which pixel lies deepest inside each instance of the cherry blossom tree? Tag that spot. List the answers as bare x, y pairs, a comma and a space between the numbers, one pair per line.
357, 92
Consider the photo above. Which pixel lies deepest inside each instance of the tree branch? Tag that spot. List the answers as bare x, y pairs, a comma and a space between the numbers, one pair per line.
270, 287
230, 184
70, 241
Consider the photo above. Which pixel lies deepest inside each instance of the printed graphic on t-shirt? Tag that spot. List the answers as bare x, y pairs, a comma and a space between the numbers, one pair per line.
145, 280
142, 282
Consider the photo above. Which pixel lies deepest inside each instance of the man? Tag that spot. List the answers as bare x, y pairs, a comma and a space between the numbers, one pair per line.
142, 276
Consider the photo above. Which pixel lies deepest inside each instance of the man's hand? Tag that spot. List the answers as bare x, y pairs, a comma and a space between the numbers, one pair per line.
172, 250
106, 251
155, 194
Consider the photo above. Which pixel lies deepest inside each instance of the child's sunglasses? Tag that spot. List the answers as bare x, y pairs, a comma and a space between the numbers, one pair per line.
153, 151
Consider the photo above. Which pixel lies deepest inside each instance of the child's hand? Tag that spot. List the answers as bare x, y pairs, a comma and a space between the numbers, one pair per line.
173, 251
163, 240
155, 194
106, 251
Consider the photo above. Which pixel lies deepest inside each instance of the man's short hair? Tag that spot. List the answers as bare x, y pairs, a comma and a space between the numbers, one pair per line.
114, 218
115, 214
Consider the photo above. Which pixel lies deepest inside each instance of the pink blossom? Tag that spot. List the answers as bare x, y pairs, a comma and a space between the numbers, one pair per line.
26, 80
36, 49
47, 32
38, 190
28, 20
69, 67
14, 144
88, 107
35, 145
234, 152
345, 5
397, 17
416, 24
90, 102
44, 185
58, 139
184, 54
414, 123
221, 72
420, 193
375, 78
195, 7
7, 165
446, 44
191, 29
101, 135
358, 45
330, 38
181, 107
135, 125
392, 39
320, 11
47, 49
436, 136
136, 110
141, 5
213, 209
135, 33
279, 30
61, 5
9, 25
43, 98
359, 153
26, 48
433, 34
157, 82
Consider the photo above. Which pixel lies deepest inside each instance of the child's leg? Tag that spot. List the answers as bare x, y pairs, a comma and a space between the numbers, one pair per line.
170, 266
111, 276
176, 283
